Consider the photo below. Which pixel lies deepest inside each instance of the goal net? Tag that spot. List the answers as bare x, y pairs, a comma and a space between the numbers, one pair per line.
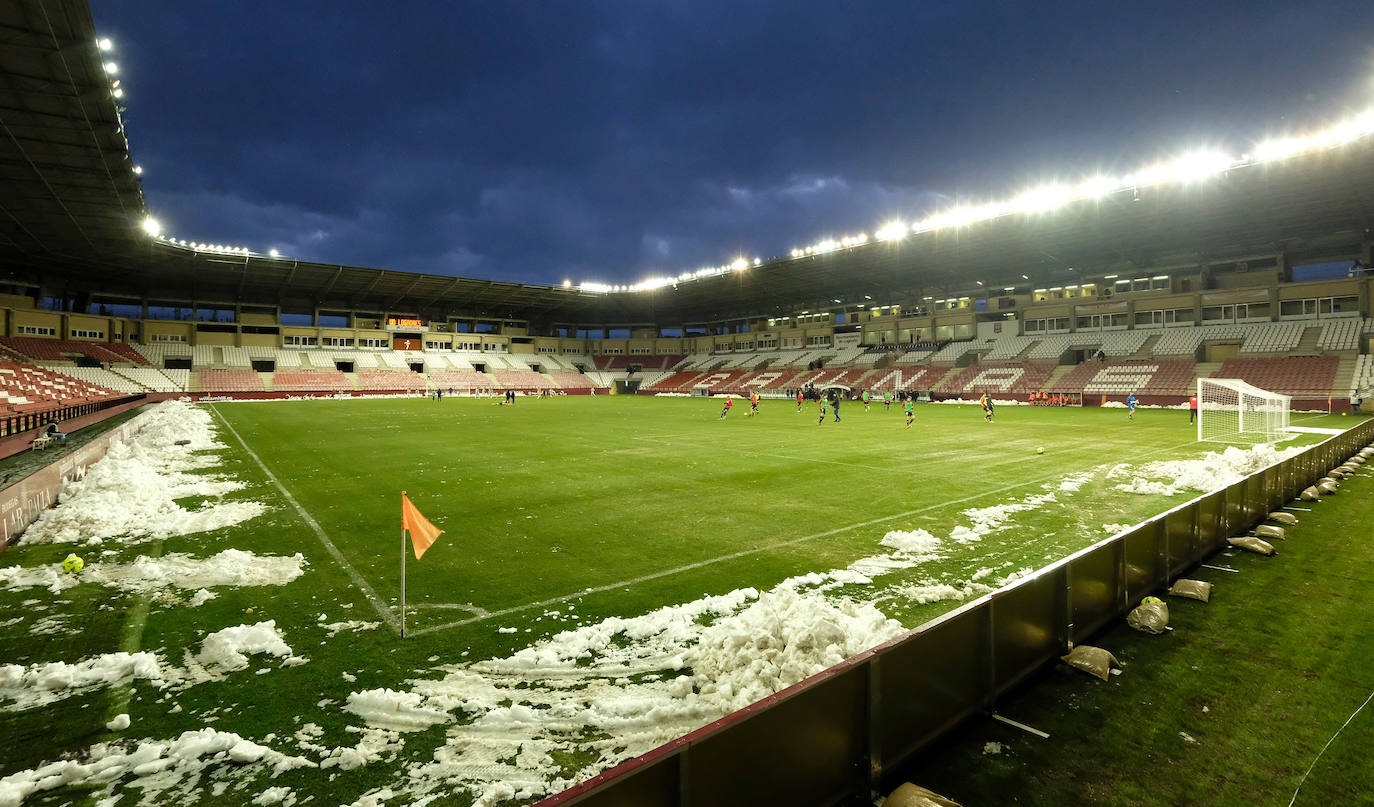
1232, 411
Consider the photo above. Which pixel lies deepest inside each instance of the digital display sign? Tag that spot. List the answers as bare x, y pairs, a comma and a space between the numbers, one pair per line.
404, 322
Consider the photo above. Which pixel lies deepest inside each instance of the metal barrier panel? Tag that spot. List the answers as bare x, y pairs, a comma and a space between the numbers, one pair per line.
807, 749
1210, 532
653, 783
1234, 516
1181, 546
929, 682
1096, 591
1144, 567
1253, 501
1028, 625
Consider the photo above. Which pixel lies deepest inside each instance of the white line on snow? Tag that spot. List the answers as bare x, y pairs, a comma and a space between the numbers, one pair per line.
366, 588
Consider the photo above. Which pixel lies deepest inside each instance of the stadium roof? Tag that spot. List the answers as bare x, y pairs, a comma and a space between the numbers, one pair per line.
71, 215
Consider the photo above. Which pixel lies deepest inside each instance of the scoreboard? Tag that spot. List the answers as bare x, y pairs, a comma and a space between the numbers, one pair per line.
395, 323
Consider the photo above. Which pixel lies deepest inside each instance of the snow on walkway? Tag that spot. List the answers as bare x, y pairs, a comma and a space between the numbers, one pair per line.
131, 493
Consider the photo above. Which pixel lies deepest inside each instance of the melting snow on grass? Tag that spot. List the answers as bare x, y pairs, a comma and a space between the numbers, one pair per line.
1212, 471
608, 692
131, 493
167, 771
232, 567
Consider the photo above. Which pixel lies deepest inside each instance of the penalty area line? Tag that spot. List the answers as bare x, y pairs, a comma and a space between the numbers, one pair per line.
382, 609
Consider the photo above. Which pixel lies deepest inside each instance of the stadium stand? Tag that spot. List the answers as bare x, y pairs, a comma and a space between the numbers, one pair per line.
152, 379
900, 378
229, 381
1166, 377
1363, 379
1273, 337
1342, 334
391, 380
461, 380
570, 379
308, 380
1298, 376
521, 379
236, 357
100, 377
1010, 379
59, 350
26, 388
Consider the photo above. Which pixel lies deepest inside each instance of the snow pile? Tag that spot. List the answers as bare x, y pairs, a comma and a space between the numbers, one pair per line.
132, 491
232, 567
120, 722
173, 767
228, 649
1213, 471
335, 628
937, 592
1072, 482
915, 542
617, 688
39, 684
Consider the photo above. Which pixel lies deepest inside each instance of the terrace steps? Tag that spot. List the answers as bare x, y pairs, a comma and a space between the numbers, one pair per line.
1146, 351
1345, 374
1059, 372
1307, 346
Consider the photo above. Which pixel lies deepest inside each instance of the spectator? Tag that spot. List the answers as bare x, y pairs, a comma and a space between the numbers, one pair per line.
53, 432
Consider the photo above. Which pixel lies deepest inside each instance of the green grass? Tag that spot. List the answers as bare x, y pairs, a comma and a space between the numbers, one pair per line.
1261, 678
615, 505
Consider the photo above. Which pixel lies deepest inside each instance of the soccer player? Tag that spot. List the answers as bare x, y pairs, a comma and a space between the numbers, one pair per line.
836, 405
799, 400
1192, 408
910, 412
866, 400
887, 401
729, 402
986, 403
753, 403
822, 403
1130, 404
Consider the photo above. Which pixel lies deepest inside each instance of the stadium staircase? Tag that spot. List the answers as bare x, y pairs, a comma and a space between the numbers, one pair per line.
1307, 345
1146, 349
1344, 383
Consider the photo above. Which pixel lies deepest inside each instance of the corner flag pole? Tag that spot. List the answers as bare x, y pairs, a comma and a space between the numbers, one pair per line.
403, 572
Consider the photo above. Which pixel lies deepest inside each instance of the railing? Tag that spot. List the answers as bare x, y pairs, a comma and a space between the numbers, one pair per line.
26, 421
834, 737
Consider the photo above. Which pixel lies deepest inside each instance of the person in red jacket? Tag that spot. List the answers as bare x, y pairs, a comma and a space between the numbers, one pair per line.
729, 402
1192, 408
799, 400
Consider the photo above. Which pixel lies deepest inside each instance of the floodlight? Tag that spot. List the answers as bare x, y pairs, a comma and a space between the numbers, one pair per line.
117, 92
151, 226
276, 254
891, 230
138, 169
111, 68
739, 265
105, 44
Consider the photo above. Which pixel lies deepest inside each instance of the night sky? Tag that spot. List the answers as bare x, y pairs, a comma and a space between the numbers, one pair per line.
545, 140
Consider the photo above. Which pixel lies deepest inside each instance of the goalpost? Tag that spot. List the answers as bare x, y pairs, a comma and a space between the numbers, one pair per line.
1232, 411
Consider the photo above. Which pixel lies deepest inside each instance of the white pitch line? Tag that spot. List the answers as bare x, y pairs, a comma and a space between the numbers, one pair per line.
366, 588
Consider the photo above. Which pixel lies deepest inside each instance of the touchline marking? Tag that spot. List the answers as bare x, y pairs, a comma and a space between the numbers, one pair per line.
382, 610
746, 552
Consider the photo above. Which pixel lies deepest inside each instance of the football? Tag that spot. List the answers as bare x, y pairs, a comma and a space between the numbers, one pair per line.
72, 564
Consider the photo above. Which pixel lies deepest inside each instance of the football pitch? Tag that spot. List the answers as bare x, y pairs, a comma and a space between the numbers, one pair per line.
561, 516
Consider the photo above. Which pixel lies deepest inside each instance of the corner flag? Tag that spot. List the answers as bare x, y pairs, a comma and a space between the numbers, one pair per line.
422, 536
422, 533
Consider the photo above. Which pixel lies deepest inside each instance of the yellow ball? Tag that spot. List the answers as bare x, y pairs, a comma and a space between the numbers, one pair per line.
1040, 450
72, 564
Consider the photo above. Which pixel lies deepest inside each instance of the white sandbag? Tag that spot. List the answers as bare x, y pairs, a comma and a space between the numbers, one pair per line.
1283, 518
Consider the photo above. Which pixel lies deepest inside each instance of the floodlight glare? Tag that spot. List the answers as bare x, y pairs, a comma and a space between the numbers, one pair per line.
111, 68
105, 44
739, 265
138, 169
891, 231
151, 226
276, 254
117, 92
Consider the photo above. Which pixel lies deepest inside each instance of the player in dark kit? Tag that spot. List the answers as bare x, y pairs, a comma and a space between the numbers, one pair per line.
753, 404
986, 403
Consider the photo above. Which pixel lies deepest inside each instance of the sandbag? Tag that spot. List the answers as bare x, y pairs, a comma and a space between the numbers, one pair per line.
1091, 660
1151, 616
1348, 468
1270, 532
1327, 488
1283, 518
1356, 460
1192, 589
909, 795
1310, 494
1335, 473
1252, 544
1326, 480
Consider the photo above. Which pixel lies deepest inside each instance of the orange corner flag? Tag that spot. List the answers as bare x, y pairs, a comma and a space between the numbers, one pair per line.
422, 533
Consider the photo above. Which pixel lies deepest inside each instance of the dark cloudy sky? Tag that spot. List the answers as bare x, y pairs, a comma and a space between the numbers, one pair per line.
607, 141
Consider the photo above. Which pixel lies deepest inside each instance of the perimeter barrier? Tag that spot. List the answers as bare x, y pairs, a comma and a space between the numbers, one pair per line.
832, 738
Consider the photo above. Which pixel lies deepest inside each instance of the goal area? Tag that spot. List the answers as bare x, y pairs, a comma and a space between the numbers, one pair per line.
1232, 411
